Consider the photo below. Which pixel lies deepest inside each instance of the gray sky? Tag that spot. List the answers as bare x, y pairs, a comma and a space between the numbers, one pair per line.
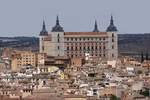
24, 17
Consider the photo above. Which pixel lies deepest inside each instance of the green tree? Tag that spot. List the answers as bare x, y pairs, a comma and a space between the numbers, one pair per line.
113, 97
145, 93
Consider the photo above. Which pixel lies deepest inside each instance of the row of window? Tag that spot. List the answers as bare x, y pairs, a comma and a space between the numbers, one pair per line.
94, 55
79, 53
86, 48
25, 63
28, 61
28, 55
94, 43
84, 38
19, 59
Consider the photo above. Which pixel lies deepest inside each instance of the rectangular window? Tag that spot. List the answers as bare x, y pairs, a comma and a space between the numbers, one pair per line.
67, 48
104, 55
112, 34
42, 48
104, 47
96, 48
99, 38
112, 39
75, 39
112, 55
112, 46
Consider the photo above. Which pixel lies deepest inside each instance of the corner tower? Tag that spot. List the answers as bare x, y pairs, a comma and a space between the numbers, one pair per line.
57, 39
42, 35
112, 40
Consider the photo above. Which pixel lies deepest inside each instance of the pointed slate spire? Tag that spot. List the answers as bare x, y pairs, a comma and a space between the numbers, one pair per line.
57, 27
57, 20
111, 27
95, 27
111, 21
43, 31
44, 25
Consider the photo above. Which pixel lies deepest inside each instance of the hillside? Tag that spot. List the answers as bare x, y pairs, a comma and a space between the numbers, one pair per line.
134, 43
21, 43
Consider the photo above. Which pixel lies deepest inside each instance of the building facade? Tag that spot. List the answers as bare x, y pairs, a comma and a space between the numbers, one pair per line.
25, 58
101, 45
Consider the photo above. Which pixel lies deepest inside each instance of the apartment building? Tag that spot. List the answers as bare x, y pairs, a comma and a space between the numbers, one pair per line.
25, 58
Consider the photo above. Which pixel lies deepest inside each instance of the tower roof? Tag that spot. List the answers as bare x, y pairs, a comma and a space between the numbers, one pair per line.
95, 27
111, 26
57, 27
43, 31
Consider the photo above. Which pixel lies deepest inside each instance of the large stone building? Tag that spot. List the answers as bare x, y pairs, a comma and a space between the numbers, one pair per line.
101, 45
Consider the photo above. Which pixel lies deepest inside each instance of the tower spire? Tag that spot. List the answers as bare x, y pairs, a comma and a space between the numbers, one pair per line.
44, 31
57, 20
57, 27
44, 27
111, 20
95, 27
111, 27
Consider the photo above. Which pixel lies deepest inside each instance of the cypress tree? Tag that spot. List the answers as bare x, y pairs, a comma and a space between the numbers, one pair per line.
142, 57
147, 56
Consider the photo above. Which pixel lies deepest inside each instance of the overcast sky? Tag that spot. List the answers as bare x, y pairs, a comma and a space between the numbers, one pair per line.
24, 17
